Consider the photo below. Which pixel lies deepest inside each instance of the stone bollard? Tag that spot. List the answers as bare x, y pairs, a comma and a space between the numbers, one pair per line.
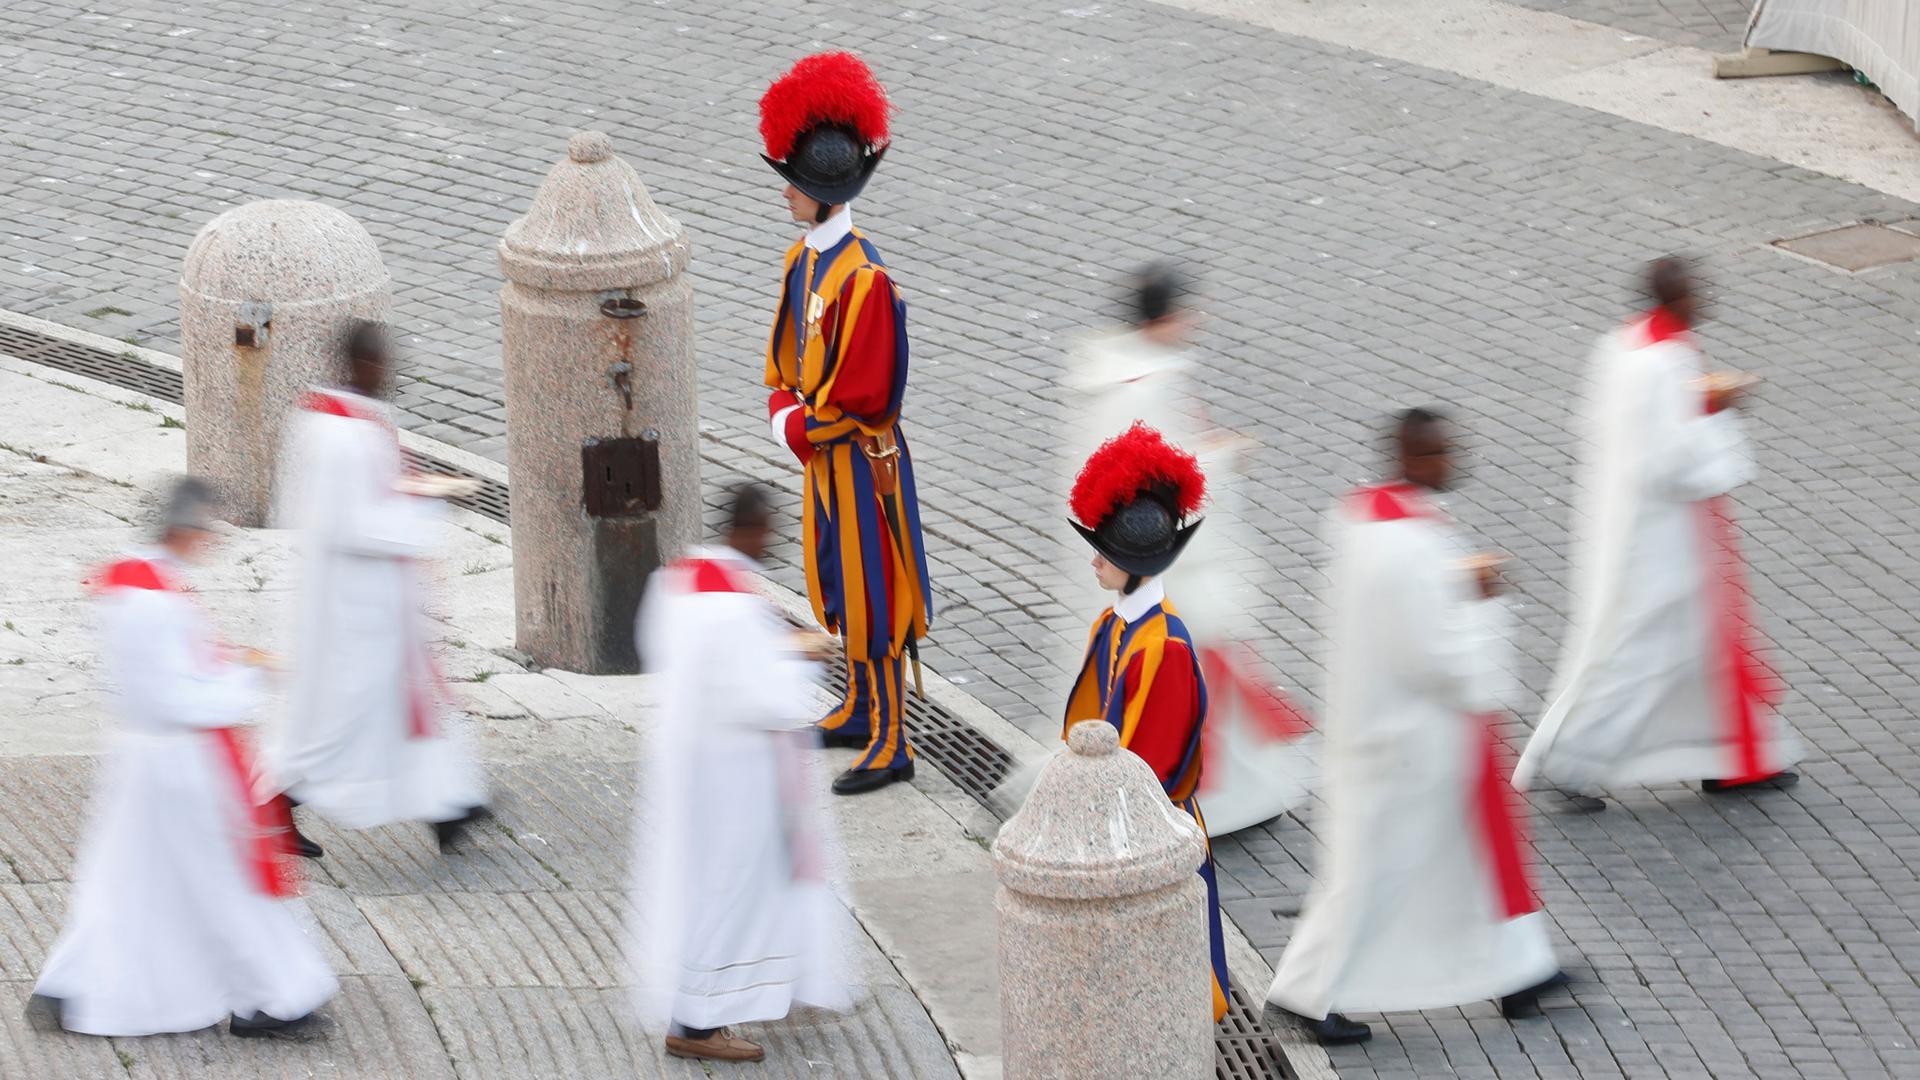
266, 292
597, 326
1103, 923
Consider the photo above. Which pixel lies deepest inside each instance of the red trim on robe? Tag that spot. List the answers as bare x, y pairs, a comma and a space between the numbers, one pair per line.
326, 404
1232, 678
1166, 723
267, 844
1746, 685
1661, 325
1496, 809
1501, 817
709, 576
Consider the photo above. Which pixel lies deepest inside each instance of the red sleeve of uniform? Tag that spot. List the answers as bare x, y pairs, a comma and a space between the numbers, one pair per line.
1166, 725
794, 428
863, 385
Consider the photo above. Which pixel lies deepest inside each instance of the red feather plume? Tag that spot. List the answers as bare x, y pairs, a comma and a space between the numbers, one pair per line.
825, 88
1129, 463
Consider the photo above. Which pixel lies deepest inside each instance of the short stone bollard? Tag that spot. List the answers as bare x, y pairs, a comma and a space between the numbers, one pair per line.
1103, 923
596, 321
266, 293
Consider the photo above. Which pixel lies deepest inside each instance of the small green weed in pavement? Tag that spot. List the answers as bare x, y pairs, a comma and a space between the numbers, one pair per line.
168, 421
103, 312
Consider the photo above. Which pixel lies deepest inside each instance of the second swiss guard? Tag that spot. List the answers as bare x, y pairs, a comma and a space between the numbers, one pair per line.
837, 369
1134, 501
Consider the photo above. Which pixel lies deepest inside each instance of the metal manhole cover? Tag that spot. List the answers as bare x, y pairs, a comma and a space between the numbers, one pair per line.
1855, 247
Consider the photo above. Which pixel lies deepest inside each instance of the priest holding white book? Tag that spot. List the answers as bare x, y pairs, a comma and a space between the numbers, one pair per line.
179, 918
367, 740
733, 914
1422, 900
1659, 680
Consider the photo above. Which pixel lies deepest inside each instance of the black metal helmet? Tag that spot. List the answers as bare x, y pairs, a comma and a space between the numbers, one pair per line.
825, 125
1131, 498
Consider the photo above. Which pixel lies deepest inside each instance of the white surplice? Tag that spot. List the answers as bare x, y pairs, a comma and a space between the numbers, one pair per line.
169, 928
1406, 910
733, 916
1260, 758
367, 740
1641, 691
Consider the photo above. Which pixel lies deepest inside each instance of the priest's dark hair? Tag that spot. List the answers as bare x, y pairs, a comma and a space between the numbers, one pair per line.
366, 349
190, 503
749, 505
1414, 418
1157, 288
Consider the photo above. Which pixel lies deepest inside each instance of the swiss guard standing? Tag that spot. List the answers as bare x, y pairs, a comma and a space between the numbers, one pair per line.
837, 366
1142, 673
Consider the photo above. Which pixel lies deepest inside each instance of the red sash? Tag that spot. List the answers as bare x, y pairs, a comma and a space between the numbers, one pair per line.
1231, 675
1496, 807
266, 839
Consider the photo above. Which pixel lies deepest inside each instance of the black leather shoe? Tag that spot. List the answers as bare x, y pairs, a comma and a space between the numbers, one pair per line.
861, 781
1583, 804
451, 830
261, 1026
1527, 1002
1337, 1030
841, 740
45, 1014
1785, 778
305, 847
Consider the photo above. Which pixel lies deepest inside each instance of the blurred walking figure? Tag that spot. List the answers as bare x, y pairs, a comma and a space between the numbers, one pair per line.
1659, 680
365, 742
733, 911
177, 920
1134, 503
1423, 899
1259, 752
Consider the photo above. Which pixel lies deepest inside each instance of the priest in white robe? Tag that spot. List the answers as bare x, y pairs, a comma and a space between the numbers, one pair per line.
1659, 680
733, 913
178, 919
367, 740
1260, 751
1422, 900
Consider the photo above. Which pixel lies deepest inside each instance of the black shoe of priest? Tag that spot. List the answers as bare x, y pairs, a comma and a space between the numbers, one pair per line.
1527, 1002
261, 1026
1785, 778
1337, 1030
304, 846
449, 831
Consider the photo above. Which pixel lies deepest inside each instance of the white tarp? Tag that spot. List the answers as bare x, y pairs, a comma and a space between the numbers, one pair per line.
1878, 38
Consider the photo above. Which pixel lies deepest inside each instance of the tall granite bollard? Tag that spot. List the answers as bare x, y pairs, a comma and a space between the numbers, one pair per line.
597, 323
1103, 923
266, 292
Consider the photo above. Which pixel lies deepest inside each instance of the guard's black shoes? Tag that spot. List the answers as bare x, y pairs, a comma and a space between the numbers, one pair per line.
262, 1026
861, 781
1785, 778
1337, 1030
1527, 1002
842, 740
45, 1014
449, 831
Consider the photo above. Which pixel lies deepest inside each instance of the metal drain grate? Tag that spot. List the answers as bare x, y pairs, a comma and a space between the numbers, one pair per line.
127, 371
124, 370
972, 761
1244, 1050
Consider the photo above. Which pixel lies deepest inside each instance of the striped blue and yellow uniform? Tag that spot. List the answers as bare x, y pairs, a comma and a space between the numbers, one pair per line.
838, 349
1144, 678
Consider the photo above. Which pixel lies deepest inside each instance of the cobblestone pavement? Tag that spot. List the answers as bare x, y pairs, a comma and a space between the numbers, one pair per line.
1708, 24
1371, 234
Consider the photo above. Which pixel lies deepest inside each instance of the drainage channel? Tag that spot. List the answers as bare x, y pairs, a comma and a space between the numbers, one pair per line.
1244, 1049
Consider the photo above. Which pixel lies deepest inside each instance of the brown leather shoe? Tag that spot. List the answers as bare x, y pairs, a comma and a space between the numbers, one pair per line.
722, 1045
